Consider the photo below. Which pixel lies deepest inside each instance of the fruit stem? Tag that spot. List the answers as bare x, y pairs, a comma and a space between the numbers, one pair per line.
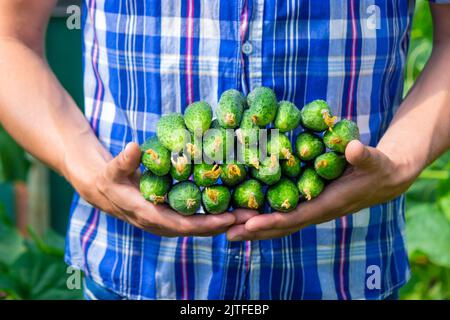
180, 164
335, 140
254, 118
307, 194
214, 173
230, 119
328, 119
154, 155
212, 194
156, 199
190, 203
191, 148
286, 153
304, 151
291, 161
252, 203
255, 162
286, 204
322, 164
273, 161
217, 143
233, 170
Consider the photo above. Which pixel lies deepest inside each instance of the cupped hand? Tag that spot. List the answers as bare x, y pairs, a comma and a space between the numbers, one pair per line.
115, 189
371, 178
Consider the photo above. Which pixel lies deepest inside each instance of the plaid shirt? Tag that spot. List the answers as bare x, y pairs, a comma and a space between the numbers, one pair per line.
145, 58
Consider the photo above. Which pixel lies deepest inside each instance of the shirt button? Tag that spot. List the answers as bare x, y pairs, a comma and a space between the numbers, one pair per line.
247, 48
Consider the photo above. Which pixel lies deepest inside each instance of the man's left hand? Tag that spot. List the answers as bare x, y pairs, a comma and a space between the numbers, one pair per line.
371, 178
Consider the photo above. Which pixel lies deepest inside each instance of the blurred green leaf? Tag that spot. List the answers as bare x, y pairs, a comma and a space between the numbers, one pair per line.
428, 282
442, 163
32, 268
422, 191
428, 232
443, 202
13, 164
11, 245
51, 243
39, 276
420, 45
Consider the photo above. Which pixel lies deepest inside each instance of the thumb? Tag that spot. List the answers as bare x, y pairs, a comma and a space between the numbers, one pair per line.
126, 162
359, 155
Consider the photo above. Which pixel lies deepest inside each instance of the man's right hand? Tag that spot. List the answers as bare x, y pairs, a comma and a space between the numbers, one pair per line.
115, 190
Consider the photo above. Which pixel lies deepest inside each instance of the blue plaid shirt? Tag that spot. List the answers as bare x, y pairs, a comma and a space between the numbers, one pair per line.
145, 58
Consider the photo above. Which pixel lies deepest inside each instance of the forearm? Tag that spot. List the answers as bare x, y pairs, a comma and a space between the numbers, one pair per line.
39, 114
420, 130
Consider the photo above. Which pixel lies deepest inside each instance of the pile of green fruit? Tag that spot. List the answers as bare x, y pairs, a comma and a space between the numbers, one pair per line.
232, 162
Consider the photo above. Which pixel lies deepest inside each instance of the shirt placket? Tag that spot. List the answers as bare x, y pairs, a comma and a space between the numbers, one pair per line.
248, 32
251, 27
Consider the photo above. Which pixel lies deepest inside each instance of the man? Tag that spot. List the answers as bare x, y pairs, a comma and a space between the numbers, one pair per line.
146, 58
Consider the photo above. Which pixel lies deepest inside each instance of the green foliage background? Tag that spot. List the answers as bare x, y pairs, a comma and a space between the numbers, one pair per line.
33, 268
428, 200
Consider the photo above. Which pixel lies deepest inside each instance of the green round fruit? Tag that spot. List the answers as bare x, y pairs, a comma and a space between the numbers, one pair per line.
232, 174
330, 165
193, 148
198, 117
248, 132
229, 109
185, 198
262, 106
249, 195
206, 175
171, 132
283, 196
216, 199
308, 146
269, 172
342, 133
317, 116
154, 188
288, 116
279, 145
181, 168
155, 157
310, 184
292, 167
218, 144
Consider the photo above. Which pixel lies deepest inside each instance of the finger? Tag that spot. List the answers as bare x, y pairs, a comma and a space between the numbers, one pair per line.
336, 200
360, 155
240, 233
242, 215
274, 220
168, 219
126, 163
201, 224
150, 216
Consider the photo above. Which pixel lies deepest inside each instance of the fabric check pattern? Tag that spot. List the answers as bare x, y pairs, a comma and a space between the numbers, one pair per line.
145, 58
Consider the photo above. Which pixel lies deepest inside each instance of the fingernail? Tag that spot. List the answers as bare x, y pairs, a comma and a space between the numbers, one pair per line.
125, 152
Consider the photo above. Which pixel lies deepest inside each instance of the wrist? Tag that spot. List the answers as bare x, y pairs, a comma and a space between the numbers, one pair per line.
82, 167
405, 167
